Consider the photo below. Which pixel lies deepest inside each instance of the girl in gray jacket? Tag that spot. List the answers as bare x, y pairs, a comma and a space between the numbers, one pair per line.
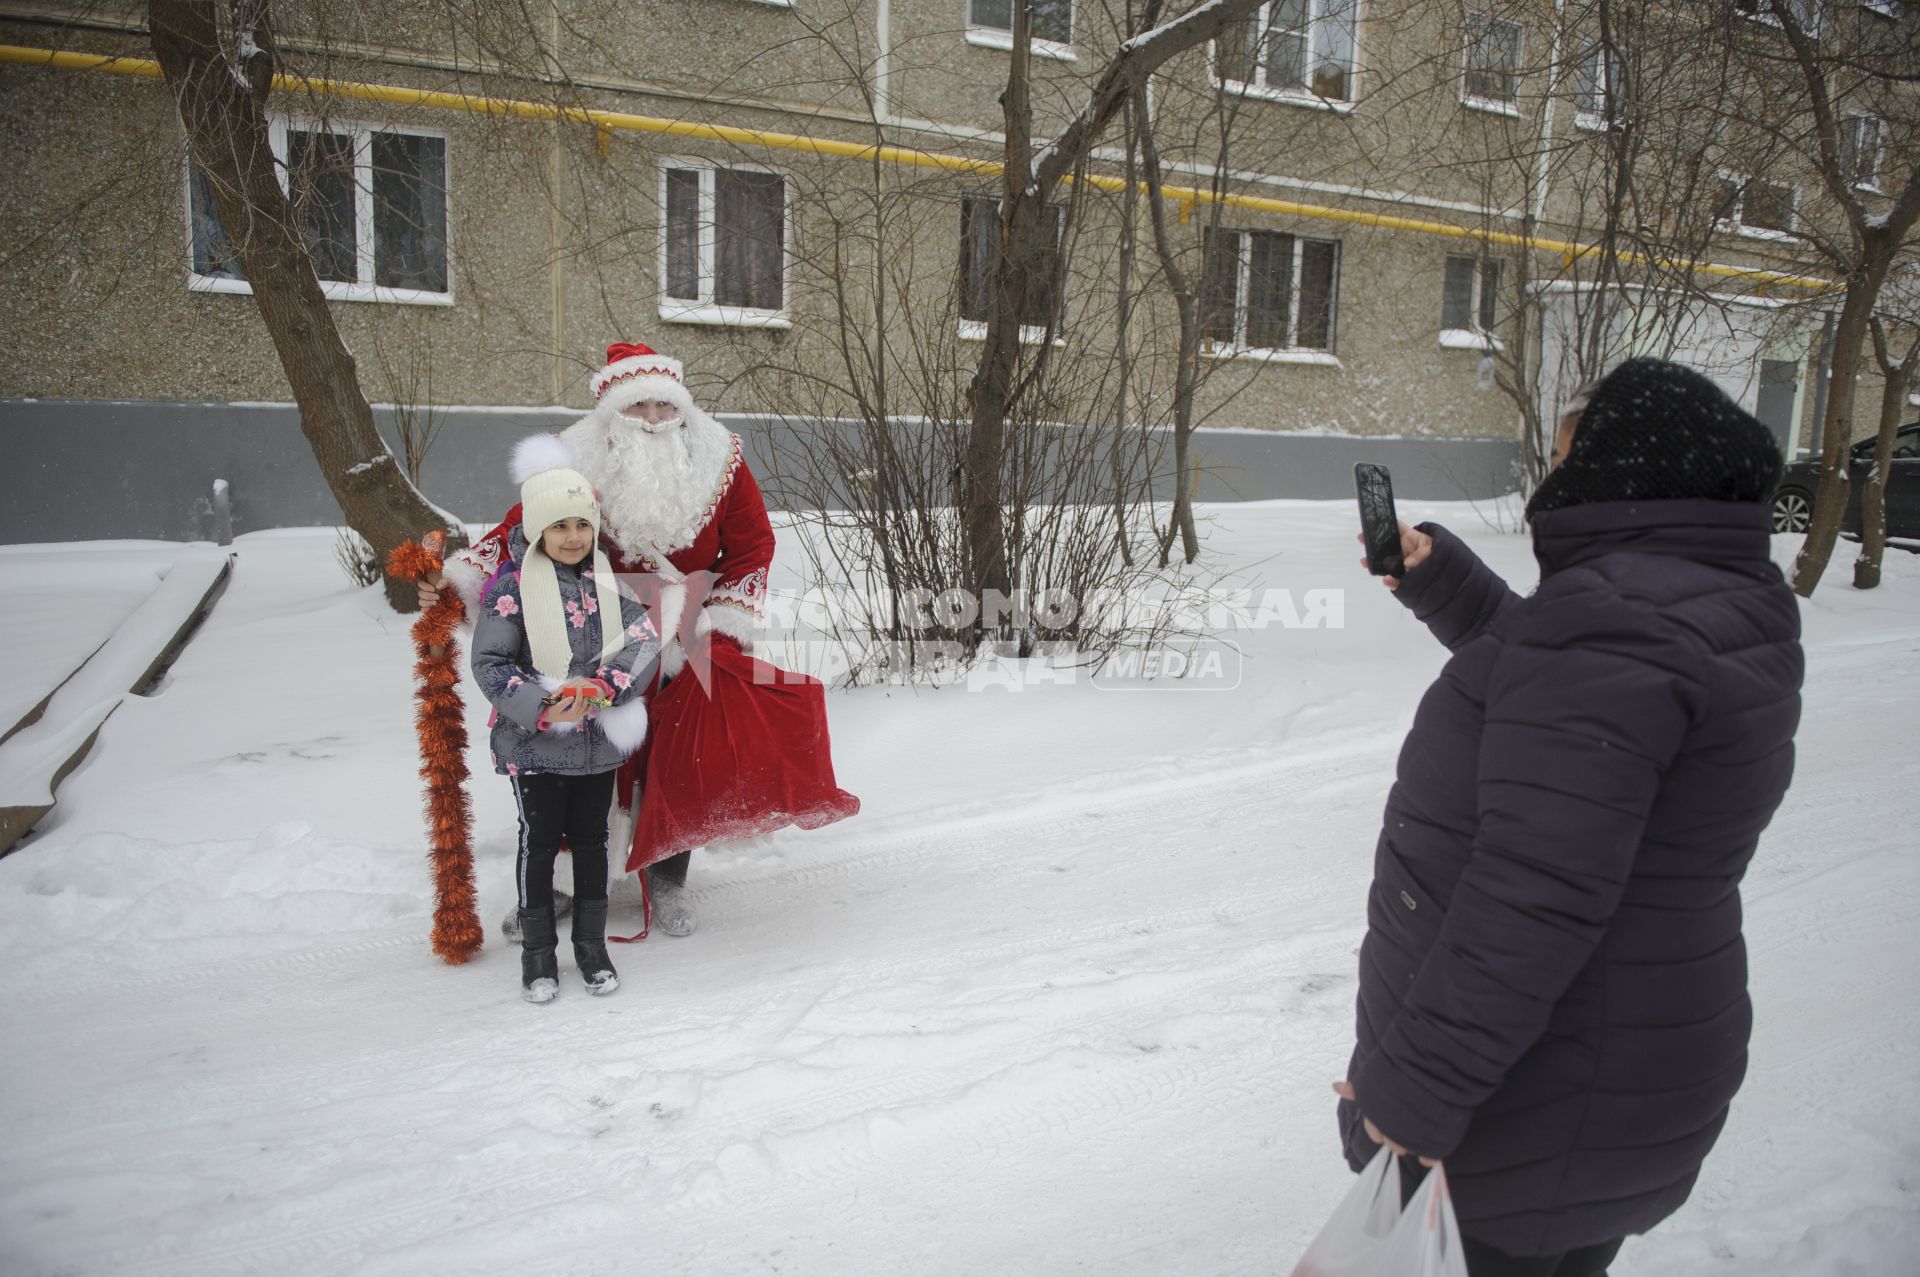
565, 653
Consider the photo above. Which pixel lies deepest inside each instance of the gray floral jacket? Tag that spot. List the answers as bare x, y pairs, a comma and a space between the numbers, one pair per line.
503, 667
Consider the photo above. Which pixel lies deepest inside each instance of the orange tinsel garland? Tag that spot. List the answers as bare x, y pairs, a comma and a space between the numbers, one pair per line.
440, 720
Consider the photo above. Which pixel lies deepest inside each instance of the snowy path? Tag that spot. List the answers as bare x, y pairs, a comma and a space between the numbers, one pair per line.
1078, 1006
1077, 1016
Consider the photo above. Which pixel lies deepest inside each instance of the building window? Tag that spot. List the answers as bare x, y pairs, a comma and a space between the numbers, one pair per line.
723, 245
979, 239
1493, 63
1806, 13
1861, 138
990, 22
1469, 296
1267, 291
370, 204
1753, 206
1600, 87
1298, 49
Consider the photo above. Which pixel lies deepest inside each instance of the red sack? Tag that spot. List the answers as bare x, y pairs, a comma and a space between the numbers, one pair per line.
735, 748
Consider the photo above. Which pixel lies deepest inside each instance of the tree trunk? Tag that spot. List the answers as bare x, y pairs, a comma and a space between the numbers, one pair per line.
222, 101
1123, 348
1830, 497
991, 394
1873, 499
1021, 260
1187, 357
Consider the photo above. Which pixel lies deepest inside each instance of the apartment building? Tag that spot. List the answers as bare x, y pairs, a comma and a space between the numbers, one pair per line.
1355, 190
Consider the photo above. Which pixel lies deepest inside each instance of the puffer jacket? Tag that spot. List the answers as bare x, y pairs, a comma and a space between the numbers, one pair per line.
503, 667
1553, 985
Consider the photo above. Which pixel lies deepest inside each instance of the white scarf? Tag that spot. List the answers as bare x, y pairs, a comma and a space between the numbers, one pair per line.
546, 615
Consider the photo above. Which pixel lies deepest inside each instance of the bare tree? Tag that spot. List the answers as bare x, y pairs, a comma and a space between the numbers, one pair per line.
1021, 260
1898, 380
221, 80
1819, 74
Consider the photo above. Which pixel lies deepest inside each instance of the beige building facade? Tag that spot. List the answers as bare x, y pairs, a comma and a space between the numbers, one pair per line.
1348, 155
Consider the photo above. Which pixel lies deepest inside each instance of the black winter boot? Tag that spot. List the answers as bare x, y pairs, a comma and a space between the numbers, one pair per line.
590, 946
539, 968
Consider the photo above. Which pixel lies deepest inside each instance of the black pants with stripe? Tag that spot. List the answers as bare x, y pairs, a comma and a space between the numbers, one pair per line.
552, 807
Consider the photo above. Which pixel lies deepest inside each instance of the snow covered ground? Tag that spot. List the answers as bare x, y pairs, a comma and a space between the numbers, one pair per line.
1067, 997
63, 603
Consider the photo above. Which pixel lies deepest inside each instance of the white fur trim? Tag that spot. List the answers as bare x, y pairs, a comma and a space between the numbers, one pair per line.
467, 578
635, 390
727, 619
673, 606
654, 363
673, 659
561, 729
537, 453
625, 726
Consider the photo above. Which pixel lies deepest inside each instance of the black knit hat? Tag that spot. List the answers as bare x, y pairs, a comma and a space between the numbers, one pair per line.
1658, 431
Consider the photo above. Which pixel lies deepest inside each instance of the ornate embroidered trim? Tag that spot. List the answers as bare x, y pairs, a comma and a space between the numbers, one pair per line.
726, 481
749, 594
657, 370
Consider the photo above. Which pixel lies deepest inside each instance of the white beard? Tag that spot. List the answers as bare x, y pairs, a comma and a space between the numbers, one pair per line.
656, 489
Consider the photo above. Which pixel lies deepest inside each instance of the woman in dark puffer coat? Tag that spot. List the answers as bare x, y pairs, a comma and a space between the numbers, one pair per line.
1553, 986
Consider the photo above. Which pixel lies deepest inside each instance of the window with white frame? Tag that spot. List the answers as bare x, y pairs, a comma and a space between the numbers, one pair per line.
1469, 295
1268, 291
1291, 49
723, 244
979, 240
370, 204
1494, 48
1753, 205
1861, 144
1052, 22
1600, 84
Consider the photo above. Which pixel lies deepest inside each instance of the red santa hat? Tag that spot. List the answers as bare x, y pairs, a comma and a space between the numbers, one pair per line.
635, 373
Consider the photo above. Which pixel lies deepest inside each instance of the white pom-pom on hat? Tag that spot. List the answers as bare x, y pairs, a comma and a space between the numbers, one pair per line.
538, 453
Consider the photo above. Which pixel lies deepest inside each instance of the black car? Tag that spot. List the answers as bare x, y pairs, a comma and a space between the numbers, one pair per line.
1793, 500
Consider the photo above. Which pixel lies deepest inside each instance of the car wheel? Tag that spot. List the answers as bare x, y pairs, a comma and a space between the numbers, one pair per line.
1792, 510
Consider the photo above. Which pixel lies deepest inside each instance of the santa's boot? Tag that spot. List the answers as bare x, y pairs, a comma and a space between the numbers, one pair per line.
510, 925
539, 968
590, 946
672, 908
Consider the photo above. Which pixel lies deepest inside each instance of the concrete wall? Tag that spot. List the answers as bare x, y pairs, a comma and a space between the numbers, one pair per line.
84, 471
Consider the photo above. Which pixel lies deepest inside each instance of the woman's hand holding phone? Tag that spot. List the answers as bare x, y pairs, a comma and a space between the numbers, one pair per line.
1415, 546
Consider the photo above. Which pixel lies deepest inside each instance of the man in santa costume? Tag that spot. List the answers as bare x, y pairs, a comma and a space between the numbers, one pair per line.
736, 747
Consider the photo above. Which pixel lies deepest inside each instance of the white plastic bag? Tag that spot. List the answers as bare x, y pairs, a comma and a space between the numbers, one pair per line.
1370, 1236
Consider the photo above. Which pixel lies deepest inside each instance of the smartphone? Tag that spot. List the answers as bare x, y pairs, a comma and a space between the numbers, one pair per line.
1379, 523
